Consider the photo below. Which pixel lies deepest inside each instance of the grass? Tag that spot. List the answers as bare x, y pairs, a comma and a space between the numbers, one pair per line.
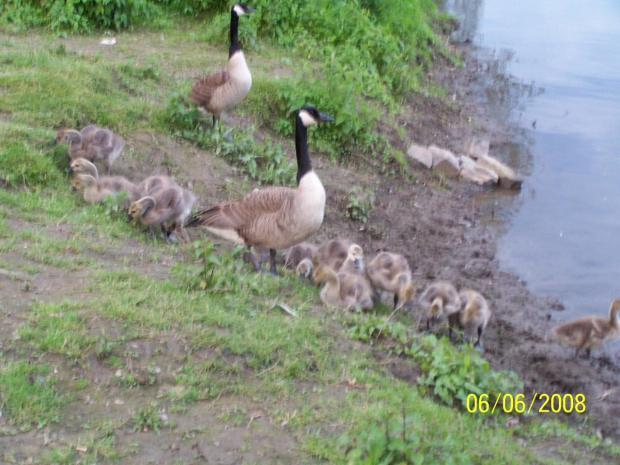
158, 339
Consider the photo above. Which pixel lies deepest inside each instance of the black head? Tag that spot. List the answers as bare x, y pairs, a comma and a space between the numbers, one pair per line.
309, 115
241, 9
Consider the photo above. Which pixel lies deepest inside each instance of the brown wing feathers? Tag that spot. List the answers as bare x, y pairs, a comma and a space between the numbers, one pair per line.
203, 90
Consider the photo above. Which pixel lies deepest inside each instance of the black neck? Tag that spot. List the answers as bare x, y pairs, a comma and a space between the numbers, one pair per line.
234, 34
301, 148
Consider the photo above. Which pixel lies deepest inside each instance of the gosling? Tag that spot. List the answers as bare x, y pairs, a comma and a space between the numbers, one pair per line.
390, 272
167, 208
474, 314
298, 253
354, 263
439, 300
590, 332
332, 253
83, 166
345, 290
96, 190
92, 143
304, 269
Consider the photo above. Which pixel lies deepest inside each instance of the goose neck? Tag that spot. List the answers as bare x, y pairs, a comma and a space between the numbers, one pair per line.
301, 149
234, 34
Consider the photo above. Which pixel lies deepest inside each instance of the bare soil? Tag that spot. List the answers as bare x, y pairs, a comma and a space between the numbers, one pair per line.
444, 229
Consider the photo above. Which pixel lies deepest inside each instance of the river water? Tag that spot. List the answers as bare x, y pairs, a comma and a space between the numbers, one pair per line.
561, 233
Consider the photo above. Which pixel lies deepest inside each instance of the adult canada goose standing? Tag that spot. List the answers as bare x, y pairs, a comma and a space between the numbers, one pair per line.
224, 88
590, 332
274, 217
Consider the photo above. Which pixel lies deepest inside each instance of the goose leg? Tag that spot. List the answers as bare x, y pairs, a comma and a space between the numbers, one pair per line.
479, 336
249, 256
272, 261
395, 300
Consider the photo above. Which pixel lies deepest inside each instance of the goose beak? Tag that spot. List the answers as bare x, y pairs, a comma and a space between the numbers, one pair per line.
358, 263
325, 118
68, 169
73, 190
129, 218
51, 143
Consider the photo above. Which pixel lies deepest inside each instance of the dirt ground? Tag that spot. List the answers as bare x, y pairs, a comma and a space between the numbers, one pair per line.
444, 228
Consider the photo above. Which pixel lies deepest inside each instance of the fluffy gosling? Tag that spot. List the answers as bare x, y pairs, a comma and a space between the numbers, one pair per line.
93, 144
590, 332
298, 253
332, 253
304, 269
439, 300
345, 290
96, 190
390, 272
167, 208
474, 314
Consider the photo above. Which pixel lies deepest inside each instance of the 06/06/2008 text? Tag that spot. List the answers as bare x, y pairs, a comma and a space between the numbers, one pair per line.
539, 402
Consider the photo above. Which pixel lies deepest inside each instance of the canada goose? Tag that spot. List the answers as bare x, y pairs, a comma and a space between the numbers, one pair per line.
439, 300
590, 332
224, 88
304, 269
83, 166
96, 190
148, 185
342, 289
93, 144
354, 263
298, 253
275, 217
168, 207
473, 314
332, 253
390, 272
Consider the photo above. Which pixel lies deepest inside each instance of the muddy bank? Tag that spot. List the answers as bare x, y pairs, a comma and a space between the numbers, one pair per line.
451, 235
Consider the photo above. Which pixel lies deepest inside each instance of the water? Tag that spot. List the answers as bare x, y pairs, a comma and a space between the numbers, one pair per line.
563, 230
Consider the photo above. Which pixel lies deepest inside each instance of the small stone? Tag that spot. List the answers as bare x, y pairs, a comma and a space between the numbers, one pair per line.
444, 162
471, 171
119, 373
421, 155
476, 147
508, 178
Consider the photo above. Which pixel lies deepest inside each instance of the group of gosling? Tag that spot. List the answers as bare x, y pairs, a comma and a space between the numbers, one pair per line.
157, 200
281, 217
349, 283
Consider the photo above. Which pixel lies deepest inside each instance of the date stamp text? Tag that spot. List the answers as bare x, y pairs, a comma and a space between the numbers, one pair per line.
518, 403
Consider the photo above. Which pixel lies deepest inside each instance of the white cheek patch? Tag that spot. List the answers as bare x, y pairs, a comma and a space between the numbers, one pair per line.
306, 118
238, 10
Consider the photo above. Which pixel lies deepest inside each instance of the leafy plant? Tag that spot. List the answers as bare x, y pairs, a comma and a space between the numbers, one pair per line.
148, 419
76, 15
453, 373
263, 161
360, 204
401, 438
210, 271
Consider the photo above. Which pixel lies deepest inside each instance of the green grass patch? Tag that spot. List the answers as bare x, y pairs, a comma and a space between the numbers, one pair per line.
28, 394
